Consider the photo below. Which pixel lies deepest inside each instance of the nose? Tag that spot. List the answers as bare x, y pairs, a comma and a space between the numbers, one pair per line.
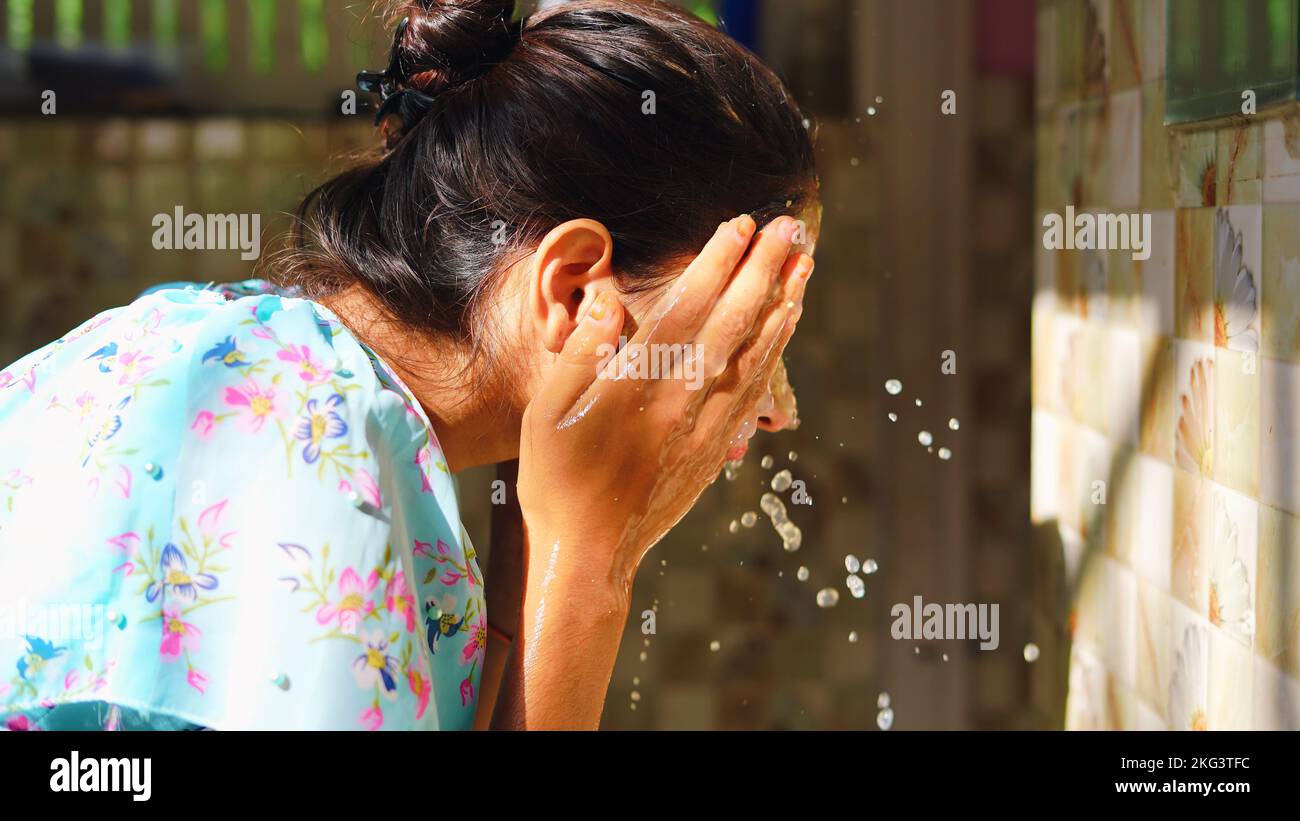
782, 413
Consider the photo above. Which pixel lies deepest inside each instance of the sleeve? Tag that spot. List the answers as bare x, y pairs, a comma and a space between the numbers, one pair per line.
282, 587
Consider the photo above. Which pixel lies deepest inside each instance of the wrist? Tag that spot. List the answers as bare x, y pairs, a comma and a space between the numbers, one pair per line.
584, 565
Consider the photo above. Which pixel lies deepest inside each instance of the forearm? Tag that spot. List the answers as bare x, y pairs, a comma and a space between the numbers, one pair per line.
564, 650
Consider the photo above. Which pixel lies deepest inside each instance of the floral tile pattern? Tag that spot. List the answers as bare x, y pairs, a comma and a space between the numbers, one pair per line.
1179, 374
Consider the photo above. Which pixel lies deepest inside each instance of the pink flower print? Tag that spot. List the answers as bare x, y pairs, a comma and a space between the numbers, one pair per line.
254, 404
353, 601
85, 404
421, 687
197, 680
363, 483
18, 724
398, 599
467, 692
476, 643
179, 636
204, 423
210, 524
309, 369
372, 718
135, 366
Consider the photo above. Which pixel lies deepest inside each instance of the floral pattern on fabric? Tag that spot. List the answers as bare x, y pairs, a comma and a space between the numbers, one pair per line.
219, 507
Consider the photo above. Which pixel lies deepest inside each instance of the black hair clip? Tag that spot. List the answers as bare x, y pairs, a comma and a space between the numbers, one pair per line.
387, 83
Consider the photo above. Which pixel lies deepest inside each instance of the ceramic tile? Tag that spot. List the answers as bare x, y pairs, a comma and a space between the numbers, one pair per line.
1194, 274
1280, 264
1277, 605
1236, 420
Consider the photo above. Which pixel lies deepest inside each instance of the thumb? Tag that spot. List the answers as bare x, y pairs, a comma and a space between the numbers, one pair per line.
590, 345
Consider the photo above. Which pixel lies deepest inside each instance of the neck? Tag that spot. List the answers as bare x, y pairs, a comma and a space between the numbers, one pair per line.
475, 419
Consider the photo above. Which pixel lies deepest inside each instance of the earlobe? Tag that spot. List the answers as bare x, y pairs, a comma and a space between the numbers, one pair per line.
573, 267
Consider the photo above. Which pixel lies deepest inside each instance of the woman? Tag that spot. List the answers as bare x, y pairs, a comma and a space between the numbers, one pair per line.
234, 507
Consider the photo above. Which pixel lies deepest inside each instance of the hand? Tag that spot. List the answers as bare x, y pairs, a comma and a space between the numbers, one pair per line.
609, 462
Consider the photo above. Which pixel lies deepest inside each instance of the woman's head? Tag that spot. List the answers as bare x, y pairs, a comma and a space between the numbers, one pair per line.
614, 135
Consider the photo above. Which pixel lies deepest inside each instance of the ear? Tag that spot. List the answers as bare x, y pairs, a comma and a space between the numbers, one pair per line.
571, 269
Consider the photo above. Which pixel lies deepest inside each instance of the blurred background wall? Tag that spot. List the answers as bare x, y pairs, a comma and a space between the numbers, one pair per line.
1165, 389
926, 247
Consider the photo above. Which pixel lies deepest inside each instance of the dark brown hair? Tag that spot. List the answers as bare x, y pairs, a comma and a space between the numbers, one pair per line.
525, 124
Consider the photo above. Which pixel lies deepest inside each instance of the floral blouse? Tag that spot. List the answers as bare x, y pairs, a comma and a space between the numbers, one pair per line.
219, 509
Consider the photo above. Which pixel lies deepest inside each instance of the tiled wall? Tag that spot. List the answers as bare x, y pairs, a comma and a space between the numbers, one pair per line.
1166, 439
78, 197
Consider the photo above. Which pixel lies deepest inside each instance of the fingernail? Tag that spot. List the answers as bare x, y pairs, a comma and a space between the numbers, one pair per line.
788, 228
600, 308
744, 225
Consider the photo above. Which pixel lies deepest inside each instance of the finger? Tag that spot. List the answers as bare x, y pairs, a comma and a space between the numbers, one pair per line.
680, 312
746, 380
739, 309
590, 345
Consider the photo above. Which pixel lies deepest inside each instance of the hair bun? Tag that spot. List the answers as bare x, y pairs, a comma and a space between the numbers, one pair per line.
449, 41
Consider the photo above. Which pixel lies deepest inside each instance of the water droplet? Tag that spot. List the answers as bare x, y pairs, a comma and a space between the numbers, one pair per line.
870, 566
734, 527
925, 438
871, 111
715, 646
792, 456
893, 387
893, 417
636, 696
880, 99
636, 681
953, 424
852, 564
801, 574
154, 471
856, 586
781, 481
791, 536
885, 718
853, 637
945, 657
281, 680
748, 519
882, 701
828, 597
945, 454
918, 403
854, 161
643, 655
1031, 652
121, 621
766, 463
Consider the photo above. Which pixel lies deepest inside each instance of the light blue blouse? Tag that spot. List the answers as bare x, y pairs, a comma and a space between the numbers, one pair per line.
218, 508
